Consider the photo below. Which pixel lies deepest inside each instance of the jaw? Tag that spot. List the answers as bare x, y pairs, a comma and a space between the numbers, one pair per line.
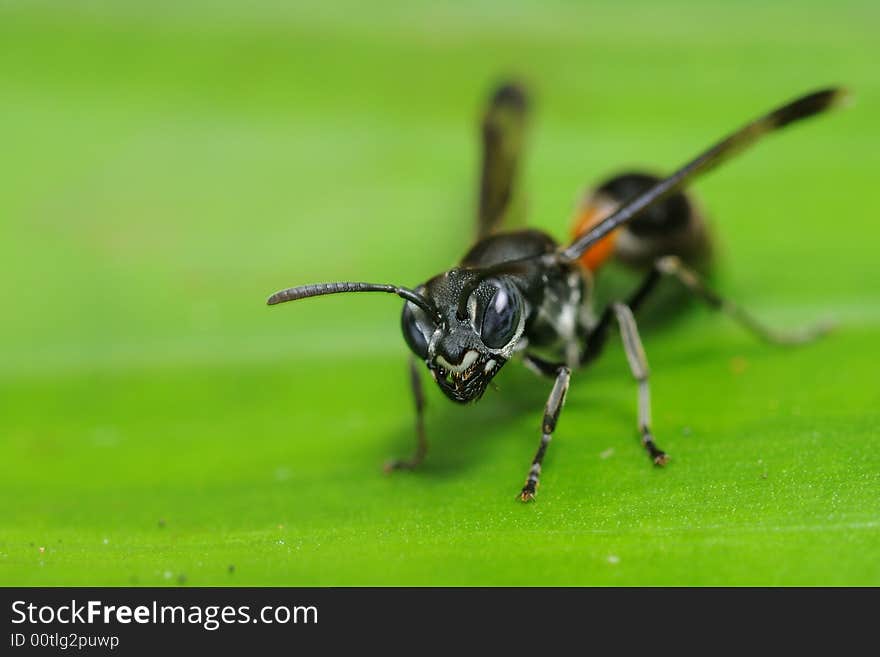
467, 385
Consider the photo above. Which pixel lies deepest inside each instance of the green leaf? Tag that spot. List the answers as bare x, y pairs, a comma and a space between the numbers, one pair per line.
166, 170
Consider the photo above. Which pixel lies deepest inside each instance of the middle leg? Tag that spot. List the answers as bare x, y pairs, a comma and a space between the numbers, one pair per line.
638, 364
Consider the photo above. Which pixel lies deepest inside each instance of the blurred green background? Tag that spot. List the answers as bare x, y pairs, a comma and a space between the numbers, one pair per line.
165, 167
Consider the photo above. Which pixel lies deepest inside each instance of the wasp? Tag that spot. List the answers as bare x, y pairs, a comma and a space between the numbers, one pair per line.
520, 294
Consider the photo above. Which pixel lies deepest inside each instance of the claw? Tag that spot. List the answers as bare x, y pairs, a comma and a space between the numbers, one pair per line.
527, 494
396, 464
658, 456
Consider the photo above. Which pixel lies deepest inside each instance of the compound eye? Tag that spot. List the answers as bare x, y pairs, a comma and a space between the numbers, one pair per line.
501, 318
416, 328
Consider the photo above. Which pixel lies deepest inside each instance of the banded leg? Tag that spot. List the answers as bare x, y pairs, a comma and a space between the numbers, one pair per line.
551, 415
598, 337
638, 364
673, 266
421, 440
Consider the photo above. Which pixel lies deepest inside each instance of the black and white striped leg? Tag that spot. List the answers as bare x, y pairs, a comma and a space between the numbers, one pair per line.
598, 337
673, 266
421, 440
551, 415
638, 364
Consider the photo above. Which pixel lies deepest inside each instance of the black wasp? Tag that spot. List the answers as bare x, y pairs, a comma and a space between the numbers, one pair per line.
519, 293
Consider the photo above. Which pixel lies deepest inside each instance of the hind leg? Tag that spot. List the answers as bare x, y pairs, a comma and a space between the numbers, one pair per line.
673, 266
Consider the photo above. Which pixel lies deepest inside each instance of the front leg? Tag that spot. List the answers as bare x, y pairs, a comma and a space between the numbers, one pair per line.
421, 440
551, 415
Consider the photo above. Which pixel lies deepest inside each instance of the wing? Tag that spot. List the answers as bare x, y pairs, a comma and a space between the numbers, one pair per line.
802, 108
503, 132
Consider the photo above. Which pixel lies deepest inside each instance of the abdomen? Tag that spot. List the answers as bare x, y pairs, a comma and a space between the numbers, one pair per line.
672, 227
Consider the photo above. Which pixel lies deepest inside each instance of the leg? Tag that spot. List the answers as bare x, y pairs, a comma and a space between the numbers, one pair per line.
673, 266
638, 363
422, 442
542, 367
599, 335
551, 415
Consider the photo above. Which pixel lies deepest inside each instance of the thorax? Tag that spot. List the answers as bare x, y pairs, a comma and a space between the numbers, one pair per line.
559, 313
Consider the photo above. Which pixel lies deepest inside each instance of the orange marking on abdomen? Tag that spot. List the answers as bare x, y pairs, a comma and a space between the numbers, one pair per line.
597, 254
